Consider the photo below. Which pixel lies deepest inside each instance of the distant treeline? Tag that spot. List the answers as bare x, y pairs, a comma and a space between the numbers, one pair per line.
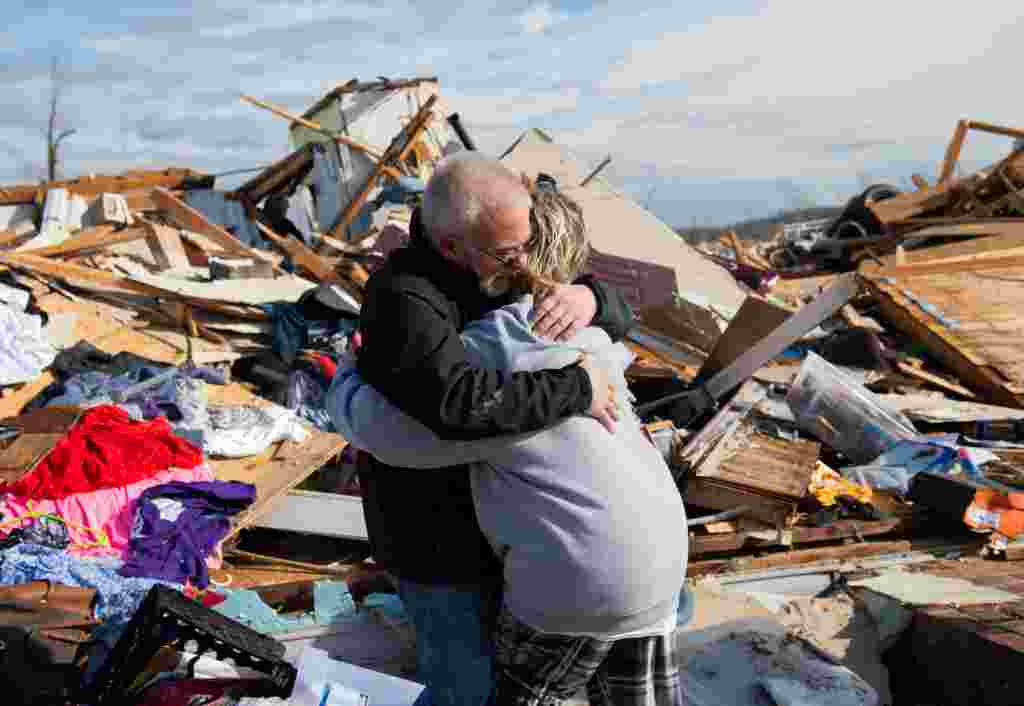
757, 228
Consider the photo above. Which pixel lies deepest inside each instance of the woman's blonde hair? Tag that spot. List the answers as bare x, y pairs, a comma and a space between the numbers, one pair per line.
558, 249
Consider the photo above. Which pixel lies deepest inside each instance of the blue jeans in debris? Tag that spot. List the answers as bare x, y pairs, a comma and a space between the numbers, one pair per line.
454, 641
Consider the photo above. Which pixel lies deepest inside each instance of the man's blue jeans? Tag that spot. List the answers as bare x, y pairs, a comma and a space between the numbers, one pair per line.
454, 641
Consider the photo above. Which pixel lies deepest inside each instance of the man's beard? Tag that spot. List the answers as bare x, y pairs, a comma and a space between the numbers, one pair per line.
501, 284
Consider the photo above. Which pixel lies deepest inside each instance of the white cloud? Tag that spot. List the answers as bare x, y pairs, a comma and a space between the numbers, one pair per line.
809, 91
286, 15
539, 17
497, 110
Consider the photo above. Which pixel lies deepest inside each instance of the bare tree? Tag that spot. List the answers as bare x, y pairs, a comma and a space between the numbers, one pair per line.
54, 132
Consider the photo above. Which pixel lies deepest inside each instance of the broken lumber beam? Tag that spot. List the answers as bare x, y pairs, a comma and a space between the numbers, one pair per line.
343, 139
191, 219
300, 255
77, 274
949, 162
935, 380
1008, 242
93, 186
966, 264
165, 244
395, 152
277, 176
914, 203
995, 129
85, 241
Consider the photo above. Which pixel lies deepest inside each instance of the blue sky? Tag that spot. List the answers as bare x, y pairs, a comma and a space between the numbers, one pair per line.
712, 111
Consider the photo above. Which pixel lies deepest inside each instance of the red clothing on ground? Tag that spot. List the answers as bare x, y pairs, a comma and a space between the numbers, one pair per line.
106, 449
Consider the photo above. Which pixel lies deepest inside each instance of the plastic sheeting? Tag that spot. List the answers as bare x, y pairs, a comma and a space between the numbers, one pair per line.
230, 215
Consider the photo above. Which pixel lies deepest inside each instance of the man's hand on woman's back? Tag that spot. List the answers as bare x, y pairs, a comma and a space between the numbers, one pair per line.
603, 405
563, 310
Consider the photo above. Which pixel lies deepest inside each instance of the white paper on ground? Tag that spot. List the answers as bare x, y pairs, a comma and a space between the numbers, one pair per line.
316, 670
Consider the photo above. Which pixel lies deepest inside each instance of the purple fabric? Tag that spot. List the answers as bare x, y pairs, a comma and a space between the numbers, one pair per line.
178, 525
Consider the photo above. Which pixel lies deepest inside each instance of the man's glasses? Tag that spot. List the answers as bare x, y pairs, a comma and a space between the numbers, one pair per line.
507, 261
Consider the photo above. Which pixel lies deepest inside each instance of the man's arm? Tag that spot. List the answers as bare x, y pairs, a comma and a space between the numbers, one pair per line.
614, 315
413, 355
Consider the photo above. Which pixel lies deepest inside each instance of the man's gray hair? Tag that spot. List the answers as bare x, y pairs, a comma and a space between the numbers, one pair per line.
465, 186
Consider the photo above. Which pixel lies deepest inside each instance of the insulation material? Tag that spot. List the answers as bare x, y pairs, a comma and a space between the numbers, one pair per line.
62, 215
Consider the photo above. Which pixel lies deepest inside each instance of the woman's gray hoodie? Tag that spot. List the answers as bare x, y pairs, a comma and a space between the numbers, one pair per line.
589, 524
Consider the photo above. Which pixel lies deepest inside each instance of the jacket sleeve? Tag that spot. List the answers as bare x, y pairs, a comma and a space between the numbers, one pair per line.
371, 423
614, 315
413, 355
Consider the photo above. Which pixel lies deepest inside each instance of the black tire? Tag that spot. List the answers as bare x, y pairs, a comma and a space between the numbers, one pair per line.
863, 218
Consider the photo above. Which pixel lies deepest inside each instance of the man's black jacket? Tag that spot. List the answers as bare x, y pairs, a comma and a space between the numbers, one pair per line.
421, 523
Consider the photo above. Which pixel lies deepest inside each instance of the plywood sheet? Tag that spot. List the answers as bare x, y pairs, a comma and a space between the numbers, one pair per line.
291, 465
972, 321
253, 292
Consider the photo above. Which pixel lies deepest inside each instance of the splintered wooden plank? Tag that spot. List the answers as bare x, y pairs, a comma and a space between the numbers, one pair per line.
914, 203
343, 139
1000, 239
90, 240
277, 175
767, 464
933, 379
288, 467
191, 219
301, 255
710, 494
953, 152
75, 273
165, 244
93, 186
